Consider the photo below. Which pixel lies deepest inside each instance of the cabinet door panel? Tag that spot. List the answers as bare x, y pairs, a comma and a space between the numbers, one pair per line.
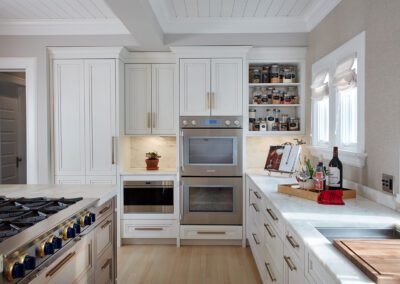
69, 128
226, 86
100, 116
163, 102
194, 80
137, 98
69, 180
101, 180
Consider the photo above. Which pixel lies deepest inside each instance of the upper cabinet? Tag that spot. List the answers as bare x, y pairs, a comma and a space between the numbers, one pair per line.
211, 86
150, 99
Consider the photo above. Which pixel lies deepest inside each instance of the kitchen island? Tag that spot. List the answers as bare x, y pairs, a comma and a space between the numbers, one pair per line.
282, 232
73, 241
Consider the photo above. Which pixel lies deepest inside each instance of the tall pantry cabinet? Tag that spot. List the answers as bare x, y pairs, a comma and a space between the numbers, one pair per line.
84, 117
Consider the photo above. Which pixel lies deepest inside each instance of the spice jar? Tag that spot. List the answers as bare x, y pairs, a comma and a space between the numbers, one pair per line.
257, 93
284, 122
265, 74
252, 113
276, 98
257, 125
294, 124
263, 125
264, 96
269, 95
292, 92
287, 99
256, 75
274, 74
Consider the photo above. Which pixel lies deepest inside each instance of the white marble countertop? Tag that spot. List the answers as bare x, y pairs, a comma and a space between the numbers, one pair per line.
305, 215
101, 192
143, 171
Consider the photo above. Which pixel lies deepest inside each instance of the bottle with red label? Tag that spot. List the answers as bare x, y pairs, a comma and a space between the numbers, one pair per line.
319, 176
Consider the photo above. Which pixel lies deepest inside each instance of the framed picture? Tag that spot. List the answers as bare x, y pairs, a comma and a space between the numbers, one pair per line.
274, 158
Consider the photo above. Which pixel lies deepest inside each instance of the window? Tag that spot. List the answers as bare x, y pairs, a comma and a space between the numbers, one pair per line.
338, 103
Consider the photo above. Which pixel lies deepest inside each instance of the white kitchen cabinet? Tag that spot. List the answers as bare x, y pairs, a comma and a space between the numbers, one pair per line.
84, 92
292, 272
149, 99
211, 87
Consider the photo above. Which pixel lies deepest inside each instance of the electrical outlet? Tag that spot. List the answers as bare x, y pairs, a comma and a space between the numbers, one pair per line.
387, 183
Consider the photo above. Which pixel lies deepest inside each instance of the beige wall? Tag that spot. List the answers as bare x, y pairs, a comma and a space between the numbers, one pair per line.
380, 19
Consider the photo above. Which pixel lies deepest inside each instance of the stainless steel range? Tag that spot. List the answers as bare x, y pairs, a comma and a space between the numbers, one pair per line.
211, 170
34, 232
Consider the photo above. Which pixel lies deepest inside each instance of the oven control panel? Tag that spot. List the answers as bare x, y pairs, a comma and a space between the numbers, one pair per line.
211, 122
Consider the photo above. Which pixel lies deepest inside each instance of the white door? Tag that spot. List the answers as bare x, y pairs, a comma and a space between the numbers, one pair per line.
163, 102
69, 112
138, 98
194, 87
226, 86
100, 117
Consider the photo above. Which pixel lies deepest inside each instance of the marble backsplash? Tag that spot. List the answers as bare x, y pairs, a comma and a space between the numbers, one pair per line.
164, 145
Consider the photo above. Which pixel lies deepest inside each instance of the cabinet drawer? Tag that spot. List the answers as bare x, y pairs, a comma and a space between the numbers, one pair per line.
273, 246
273, 271
293, 268
104, 210
211, 232
149, 229
104, 235
294, 242
104, 268
274, 218
315, 272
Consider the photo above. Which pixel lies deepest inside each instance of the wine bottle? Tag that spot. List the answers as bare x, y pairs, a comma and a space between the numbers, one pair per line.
335, 171
319, 176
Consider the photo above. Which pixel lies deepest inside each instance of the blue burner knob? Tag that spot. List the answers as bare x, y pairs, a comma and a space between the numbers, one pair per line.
29, 262
71, 233
93, 216
48, 248
57, 243
18, 270
77, 228
88, 220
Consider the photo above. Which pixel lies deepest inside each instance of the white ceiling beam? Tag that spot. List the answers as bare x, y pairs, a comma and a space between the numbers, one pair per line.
139, 19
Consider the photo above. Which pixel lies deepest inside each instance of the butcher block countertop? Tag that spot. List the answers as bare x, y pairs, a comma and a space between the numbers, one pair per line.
101, 192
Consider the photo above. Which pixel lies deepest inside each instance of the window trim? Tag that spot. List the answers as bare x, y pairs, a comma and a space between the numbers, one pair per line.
352, 155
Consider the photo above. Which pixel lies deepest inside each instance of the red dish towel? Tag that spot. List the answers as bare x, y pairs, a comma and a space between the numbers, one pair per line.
332, 197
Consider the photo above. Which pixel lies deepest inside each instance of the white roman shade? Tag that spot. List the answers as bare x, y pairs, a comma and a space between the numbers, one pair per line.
320, 88
345, 75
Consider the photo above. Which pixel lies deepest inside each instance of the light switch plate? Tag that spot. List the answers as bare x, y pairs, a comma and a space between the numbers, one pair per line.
387, 183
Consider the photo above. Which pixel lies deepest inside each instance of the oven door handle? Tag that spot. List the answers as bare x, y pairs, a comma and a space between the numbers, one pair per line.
181, 201
181, 151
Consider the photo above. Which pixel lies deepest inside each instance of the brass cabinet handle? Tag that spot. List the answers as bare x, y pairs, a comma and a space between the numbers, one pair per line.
290, 263
148, 120
208, 100
270, 232
213, 100
292, 241
211, 233
255, 207
257, 194
149, 229
154, 119
60, 264
255, 239
113, 150
272, 214
104, 210
106, 224
271, 275
107, 263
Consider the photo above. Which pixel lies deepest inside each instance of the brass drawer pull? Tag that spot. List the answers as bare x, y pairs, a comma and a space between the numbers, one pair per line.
107, 263
290, 263
271, 275
255, 239
269, 230
149, 229
106, 224
60, 264
210, 233
292, 241
257, 194
104, 210
272, 214
148, 120
255, 207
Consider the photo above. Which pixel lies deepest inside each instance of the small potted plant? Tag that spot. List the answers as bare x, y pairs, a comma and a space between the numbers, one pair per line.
152, 160
305, 176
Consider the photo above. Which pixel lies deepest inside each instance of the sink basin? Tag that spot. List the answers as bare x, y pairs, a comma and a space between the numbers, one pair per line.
359, 233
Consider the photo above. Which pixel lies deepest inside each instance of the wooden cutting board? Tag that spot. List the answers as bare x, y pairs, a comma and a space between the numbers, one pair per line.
378, 259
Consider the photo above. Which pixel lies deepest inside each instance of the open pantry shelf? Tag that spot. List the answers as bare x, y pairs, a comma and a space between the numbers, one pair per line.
274, 84
274, 105
273, 133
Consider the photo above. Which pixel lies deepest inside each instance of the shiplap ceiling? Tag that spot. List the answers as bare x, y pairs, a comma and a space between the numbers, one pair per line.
240, 16
48, 17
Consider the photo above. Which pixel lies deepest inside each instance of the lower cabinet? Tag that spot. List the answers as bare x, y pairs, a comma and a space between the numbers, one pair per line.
293, 271
155, 229
104, 270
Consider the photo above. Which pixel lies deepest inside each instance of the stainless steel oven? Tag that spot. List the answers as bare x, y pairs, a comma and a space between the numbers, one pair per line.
211, 201
211, 146
148, 197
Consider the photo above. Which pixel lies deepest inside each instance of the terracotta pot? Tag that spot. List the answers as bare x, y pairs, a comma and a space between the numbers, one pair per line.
151, 164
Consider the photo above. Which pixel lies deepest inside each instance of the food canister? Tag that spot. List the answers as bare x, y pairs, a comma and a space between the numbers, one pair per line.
274, 73
294, 124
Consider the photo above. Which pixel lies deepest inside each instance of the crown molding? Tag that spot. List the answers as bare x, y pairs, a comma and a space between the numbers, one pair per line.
85, 52
147, 57
210, 51
63, 27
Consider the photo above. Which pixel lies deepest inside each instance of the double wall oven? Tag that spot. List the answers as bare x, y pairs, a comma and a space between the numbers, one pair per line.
211, 170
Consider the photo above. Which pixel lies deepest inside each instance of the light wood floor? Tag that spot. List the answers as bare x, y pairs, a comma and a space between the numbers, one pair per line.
156, 264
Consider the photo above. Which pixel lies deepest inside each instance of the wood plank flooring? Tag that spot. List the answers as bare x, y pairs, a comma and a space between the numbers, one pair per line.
156, 264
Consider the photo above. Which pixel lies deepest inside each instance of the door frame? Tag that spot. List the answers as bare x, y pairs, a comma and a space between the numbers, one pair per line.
28, 65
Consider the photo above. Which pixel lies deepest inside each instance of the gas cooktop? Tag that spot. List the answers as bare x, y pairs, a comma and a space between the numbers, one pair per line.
19, 214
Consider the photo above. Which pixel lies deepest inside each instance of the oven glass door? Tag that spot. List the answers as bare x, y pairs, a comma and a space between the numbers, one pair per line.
211, 152
213, 201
